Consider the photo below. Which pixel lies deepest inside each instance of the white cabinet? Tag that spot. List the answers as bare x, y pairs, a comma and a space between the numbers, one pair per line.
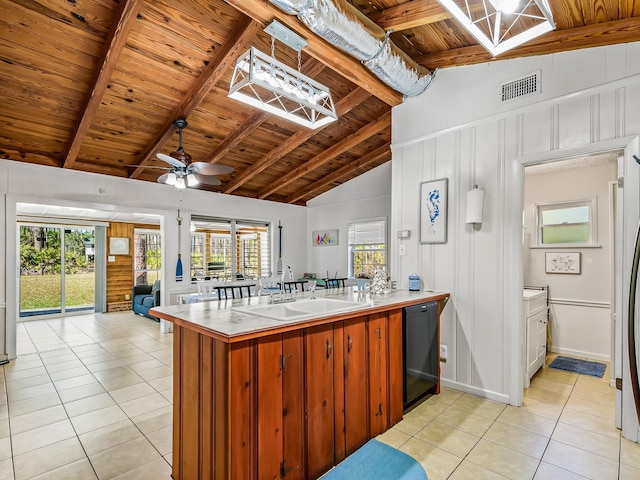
535, 318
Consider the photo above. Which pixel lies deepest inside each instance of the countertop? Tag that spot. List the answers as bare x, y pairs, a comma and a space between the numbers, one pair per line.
528, 294
218, 320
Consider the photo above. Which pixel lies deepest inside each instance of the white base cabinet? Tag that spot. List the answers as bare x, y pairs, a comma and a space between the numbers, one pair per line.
535, 318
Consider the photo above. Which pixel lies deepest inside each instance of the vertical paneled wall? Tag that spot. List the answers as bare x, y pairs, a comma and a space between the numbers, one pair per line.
477, 141
120, 269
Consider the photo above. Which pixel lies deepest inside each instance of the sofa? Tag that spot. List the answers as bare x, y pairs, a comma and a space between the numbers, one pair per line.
146, 297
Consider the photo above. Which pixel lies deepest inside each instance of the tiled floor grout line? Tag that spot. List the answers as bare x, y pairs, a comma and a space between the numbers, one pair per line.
127, 415
573, 386
46, 364
66, 411
479, 438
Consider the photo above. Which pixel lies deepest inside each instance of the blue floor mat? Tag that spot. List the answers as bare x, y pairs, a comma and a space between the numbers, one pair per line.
583, 367
377, 461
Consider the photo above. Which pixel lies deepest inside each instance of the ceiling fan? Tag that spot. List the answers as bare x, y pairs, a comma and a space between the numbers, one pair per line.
186, 174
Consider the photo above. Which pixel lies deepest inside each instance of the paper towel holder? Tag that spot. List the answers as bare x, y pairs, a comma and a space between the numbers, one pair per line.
475, 204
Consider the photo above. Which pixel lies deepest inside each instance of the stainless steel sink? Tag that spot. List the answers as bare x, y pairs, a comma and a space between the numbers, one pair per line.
301, 309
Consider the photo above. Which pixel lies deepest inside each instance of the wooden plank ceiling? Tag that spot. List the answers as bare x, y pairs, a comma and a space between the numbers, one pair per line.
95, 85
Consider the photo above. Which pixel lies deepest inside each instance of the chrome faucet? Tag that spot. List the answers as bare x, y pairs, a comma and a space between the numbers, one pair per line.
281, 297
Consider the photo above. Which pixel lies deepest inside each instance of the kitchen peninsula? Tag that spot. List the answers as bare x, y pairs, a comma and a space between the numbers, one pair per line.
285, 390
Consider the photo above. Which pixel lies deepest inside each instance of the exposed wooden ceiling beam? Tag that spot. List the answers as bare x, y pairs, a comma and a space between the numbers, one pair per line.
344, 106
329, 154
410, 15
309, 190
311, 68
416, 13
239, 39
125, 17
600, 34
341, 63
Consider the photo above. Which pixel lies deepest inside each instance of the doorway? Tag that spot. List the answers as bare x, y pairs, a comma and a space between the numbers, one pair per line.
569, 215
57, 270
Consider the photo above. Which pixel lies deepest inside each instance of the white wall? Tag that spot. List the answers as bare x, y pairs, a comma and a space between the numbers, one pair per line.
47, 185
581, 321
367, 196
457, 130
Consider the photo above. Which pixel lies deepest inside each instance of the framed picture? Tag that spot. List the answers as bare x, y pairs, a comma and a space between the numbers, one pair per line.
562, 262
118, 246
433, 211
324, 238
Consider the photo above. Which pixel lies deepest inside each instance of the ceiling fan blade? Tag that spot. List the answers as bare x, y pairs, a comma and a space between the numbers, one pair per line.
163, 178
170, 160
204, 168
208, 179
148, 166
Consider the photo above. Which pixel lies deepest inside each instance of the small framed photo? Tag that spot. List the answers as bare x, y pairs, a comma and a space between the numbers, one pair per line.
324, 238
118, 246
562, 262
433, 211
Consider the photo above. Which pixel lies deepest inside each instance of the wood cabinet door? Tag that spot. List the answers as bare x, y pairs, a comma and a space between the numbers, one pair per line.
293, 466
356, 430
395, 365
378, 403
269, 407
319, 400
280, 419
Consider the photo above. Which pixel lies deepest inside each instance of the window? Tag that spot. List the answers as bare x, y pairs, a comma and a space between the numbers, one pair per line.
566, 223
197, 255
147, 262
367, 247
229, 249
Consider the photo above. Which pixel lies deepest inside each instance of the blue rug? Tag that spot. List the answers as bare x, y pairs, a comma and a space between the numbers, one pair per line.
377, 461
583, 367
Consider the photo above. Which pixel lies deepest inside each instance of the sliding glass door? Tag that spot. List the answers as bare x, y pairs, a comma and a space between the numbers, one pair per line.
57, 269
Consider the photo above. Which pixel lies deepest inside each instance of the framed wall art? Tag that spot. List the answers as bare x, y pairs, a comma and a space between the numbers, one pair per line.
324, 238
562, 262
433, 211
118, 246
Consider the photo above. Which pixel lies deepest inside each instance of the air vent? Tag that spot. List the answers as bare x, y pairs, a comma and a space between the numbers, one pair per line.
522, 87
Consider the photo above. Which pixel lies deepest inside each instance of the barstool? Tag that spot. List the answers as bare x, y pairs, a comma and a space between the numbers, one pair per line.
333, 282
293, 285
230, 291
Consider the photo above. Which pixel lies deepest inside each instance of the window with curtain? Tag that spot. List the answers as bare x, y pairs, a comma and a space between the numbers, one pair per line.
367, 247
147, 251
231, 249
566, 223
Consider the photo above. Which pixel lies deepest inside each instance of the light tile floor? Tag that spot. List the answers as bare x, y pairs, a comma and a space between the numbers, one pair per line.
90, 397
564, 430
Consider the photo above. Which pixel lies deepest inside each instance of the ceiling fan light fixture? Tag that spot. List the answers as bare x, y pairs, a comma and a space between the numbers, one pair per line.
192, 180
171, 178
180, 183
501, 25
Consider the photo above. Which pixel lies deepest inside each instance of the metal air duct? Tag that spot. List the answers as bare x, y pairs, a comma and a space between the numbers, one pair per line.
344, 26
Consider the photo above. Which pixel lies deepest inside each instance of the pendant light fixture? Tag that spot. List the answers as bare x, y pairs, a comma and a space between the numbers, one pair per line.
500, 25
262, 81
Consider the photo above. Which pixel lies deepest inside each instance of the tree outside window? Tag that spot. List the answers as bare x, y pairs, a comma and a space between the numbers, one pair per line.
367, 247
147, 256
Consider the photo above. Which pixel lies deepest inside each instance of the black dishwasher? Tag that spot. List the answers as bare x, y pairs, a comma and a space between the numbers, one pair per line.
421, 360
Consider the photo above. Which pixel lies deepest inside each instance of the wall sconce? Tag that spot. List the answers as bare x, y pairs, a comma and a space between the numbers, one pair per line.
475, 202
